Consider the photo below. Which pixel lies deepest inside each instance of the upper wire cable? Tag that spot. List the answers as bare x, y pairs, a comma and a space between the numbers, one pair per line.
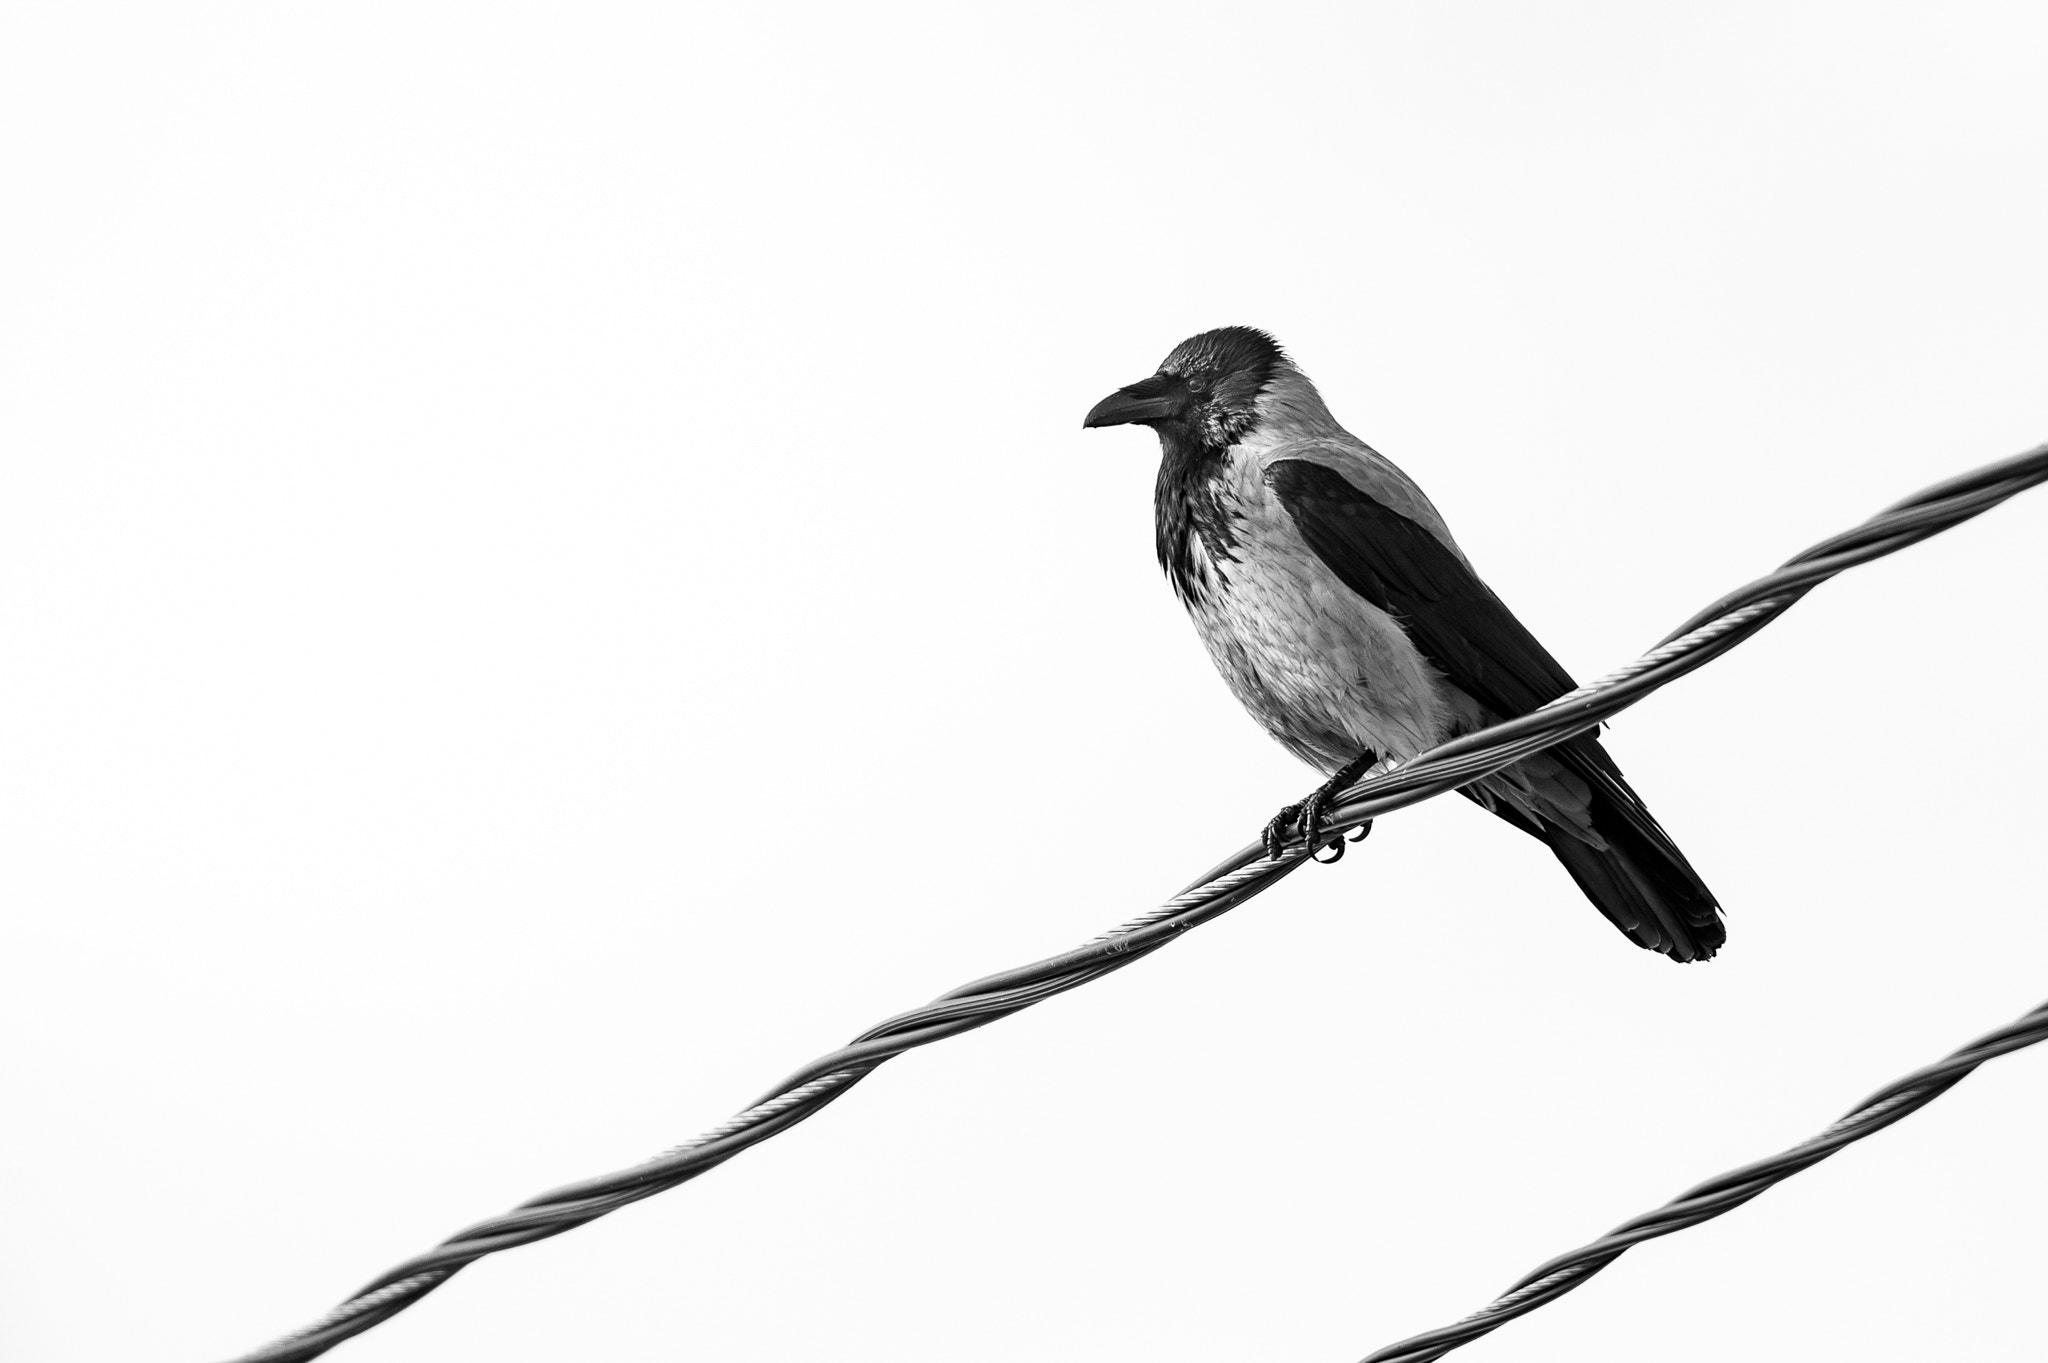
1247, 872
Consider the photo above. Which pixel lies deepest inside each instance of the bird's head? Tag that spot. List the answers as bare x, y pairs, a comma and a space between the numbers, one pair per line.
1206, 393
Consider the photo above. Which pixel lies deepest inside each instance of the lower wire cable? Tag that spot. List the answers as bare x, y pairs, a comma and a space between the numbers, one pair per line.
1547, 1283
1249, 871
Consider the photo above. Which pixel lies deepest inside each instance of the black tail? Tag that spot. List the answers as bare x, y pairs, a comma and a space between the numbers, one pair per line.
1628, 866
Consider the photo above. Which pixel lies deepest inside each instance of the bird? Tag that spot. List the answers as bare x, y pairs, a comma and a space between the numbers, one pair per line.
1332, 598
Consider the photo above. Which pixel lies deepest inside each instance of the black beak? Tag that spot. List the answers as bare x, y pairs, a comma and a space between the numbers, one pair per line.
1148, 400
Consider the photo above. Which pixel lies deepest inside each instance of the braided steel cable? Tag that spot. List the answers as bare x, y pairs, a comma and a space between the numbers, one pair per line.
1719, 1195
1246, 873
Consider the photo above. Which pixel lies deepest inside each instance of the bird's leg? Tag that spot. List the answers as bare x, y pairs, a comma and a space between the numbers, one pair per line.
1308, 815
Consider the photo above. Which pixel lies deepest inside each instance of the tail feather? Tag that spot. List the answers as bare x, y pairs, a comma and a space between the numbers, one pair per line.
1623, 860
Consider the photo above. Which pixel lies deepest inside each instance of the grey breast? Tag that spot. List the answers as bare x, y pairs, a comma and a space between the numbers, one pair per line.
1325, 672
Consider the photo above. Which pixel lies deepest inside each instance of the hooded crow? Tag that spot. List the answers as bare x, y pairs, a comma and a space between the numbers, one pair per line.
1346, 619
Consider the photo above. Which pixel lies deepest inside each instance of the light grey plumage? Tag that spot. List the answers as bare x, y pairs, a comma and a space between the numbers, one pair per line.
1336, 604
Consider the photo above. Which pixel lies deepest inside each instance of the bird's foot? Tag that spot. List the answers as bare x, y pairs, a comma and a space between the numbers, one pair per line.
1278, 827
1308, 816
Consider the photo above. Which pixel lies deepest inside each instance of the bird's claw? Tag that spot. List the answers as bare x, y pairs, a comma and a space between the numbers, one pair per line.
1312, 829
1308, 817
1275, 835
1335, 846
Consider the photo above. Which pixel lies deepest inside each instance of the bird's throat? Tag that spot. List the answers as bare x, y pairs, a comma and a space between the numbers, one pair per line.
1193, 531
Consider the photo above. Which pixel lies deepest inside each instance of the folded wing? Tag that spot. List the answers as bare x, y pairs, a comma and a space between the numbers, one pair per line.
1612, 846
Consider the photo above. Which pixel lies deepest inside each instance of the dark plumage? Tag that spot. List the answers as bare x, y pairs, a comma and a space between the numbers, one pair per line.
1339, 609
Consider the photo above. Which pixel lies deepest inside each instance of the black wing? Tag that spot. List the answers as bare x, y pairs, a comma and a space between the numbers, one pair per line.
1452, 617
1629, 868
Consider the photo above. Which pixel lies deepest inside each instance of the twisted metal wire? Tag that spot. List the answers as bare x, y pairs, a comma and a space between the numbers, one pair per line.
1247, 872
1718, 1195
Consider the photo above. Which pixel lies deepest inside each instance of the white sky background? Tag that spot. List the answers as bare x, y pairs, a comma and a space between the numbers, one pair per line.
550, 572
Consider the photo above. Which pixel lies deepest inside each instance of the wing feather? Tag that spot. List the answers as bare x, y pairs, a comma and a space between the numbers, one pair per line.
1405, 569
